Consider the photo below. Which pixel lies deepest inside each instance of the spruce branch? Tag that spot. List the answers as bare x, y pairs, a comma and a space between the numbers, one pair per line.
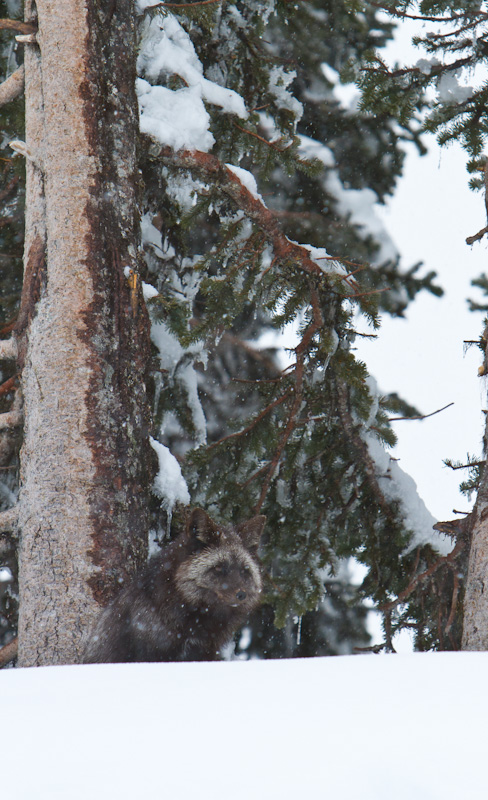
260, 138
352, 432
403, 14
278, 401
209, 168
441, 562
300, 351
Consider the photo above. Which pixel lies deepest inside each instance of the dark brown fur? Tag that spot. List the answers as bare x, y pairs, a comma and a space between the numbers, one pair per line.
188, 602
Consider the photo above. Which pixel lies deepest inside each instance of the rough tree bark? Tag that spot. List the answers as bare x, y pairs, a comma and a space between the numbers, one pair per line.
475, 611
83, 333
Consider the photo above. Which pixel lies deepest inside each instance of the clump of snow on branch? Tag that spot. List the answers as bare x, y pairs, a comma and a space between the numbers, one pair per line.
279, 81
178, 118
327, 263
179, 363
397, 486
169, 484
449, 90
247, 179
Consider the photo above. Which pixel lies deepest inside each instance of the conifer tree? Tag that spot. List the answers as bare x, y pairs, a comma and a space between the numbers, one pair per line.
447, 87
235, 106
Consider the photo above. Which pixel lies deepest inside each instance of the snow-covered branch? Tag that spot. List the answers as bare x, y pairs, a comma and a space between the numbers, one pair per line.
208, 167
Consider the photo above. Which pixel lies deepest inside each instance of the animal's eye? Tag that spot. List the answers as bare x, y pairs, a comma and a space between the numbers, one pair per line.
245, 572
221, 569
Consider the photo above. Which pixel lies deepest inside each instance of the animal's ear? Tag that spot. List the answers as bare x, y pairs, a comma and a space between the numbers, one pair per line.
250, 531
201, 528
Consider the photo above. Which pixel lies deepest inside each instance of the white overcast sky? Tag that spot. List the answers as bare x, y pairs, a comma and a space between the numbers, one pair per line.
423, 356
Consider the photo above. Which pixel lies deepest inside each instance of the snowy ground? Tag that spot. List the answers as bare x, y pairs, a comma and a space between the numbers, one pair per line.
350, 728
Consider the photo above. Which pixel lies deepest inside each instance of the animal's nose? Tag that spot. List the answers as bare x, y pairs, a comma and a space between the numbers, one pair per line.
241, 595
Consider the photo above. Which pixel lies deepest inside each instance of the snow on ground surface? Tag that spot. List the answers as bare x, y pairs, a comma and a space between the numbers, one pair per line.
351, 727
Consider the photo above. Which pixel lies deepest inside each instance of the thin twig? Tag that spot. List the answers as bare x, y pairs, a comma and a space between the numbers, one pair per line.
422, 416
403, 15
260, 138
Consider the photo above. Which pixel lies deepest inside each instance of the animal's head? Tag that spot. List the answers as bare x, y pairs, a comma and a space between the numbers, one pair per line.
221, 570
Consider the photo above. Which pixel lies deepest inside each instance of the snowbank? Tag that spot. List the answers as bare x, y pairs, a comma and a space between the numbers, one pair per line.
354, 728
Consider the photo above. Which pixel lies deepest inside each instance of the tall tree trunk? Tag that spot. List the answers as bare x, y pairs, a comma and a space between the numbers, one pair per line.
475, 624
83, 331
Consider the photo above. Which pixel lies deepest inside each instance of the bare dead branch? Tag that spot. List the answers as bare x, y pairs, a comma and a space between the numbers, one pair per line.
8, 652
26, 38
17, 25
8, 385
477, 236
12, 87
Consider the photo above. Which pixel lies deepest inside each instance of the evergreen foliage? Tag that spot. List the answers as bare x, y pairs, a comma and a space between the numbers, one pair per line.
293, 427
289, 437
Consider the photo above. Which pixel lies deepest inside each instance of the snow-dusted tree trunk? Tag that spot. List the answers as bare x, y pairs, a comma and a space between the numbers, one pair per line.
82, 329
475, 626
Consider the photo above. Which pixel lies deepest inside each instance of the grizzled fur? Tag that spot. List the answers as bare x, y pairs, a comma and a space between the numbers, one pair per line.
188, 601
